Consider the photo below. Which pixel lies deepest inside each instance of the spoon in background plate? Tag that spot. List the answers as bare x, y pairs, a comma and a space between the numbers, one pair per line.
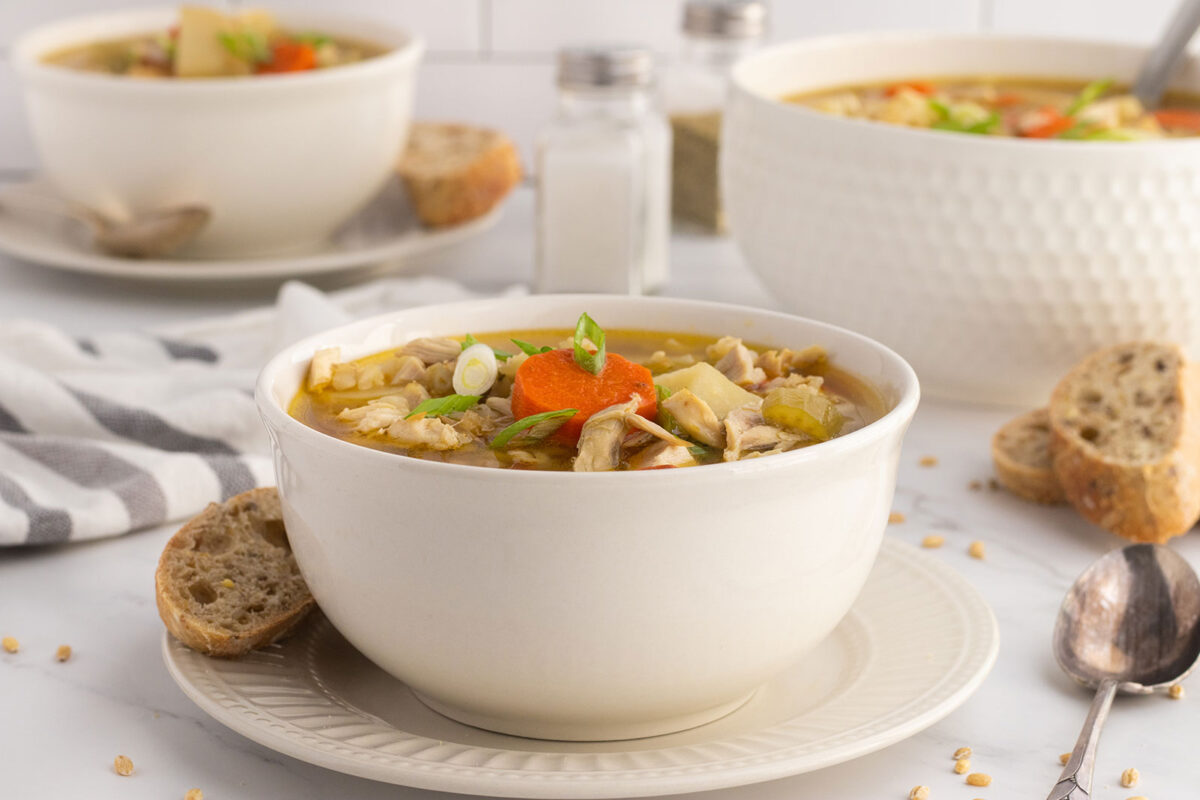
158, 233
1160, 64
1129, 624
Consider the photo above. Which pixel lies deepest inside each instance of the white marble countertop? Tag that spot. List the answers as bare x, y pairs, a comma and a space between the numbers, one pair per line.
61, 724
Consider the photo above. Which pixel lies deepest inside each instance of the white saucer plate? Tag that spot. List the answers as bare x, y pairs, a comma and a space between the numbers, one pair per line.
916, 644
385, 232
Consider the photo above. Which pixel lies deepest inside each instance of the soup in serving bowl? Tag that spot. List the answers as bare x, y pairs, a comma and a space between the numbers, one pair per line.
1029, 108
991, 262
566, 604
587, 401
280, 159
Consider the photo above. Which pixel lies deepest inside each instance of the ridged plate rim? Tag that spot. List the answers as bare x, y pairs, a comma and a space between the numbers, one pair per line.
917, 620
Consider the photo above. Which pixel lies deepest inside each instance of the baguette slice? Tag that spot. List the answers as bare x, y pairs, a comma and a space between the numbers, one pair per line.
1125, 434
1021, 454
240, 542
455, 173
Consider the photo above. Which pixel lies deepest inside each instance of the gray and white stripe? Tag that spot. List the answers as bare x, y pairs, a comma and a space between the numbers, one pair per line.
118, 432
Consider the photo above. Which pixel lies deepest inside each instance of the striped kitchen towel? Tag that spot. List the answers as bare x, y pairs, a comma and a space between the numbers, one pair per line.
111, 433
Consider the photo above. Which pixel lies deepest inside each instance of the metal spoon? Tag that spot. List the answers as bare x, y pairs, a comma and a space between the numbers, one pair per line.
1131, 624
1160, 65
155, 234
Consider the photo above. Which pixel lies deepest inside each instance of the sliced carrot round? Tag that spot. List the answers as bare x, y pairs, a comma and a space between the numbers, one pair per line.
552, 381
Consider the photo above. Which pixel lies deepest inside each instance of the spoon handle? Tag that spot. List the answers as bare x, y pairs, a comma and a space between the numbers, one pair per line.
1154, 75
1075, 783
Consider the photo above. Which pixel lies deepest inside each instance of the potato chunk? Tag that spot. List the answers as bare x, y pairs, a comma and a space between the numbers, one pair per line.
706, 382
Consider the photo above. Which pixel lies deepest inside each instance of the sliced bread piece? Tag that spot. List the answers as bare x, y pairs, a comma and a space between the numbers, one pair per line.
1125, 434
1021, 454
227, 582
455, 173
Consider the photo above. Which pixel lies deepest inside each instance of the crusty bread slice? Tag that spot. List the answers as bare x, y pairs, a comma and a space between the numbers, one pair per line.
1125, 434
455, 173
1021, 454
227, 581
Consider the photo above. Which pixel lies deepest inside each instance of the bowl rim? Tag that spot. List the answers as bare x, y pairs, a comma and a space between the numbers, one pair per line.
404, 49
739, 85
275, 417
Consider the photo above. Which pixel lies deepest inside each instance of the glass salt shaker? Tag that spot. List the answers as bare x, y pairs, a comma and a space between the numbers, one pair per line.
603, 166
715, 35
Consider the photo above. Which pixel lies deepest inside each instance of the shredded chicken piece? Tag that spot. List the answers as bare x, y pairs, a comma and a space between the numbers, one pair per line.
509, 366
748, 434
403, 369
477, 421
660, 362
370, 376
501, 405
771, 363
432, 432
345, 376
414, 393
439, 379
662, 454
600, 440
814, 382
432, 349
651, 427
696, 417
806, 359
377, 414
738, 365
320, 369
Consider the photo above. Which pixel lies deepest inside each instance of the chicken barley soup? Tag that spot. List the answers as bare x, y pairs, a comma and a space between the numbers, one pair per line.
1025, 108
553, 400
206, 43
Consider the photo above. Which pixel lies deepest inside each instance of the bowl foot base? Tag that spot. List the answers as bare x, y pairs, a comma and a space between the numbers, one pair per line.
596, 731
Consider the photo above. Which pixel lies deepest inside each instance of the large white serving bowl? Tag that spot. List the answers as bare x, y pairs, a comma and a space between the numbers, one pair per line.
593, 605
280, 160
991, 264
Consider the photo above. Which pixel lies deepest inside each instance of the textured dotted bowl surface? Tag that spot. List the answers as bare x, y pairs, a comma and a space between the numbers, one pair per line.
991, 264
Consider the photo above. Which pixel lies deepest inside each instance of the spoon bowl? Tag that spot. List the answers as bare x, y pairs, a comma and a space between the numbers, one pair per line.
1130, 623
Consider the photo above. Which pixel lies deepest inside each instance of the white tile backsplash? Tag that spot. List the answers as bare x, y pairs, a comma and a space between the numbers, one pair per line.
543, 26
491, 61
794, 18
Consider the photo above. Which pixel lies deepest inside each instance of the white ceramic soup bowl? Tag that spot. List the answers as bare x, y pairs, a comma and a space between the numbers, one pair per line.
280, 160
991, 264
593, 605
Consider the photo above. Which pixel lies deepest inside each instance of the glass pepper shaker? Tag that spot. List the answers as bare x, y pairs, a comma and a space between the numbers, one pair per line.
603, 165
715, 35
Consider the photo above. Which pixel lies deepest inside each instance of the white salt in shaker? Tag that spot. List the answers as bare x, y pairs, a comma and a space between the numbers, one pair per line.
603, 165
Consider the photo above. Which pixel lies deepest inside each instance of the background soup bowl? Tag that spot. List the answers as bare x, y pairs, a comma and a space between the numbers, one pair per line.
280, 160
586, 606
991, 264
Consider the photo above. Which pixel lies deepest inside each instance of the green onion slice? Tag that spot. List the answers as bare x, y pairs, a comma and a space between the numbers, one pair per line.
533, 428
469, 340
1088, 95
246, 45
665, 418
587, 328
441, 406
529, 349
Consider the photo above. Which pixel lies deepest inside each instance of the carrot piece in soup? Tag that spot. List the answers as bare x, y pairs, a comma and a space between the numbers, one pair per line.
921, 87
288, 56
1056, 123
552, 381
1179, 119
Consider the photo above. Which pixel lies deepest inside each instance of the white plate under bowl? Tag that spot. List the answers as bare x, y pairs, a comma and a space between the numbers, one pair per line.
916, 644
385, 231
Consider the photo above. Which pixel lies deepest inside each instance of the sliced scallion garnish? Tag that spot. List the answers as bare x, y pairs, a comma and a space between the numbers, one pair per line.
1088, 95
533, 428
529, 349
246, 45
587, 328
441, 406
665, 418
469, 340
